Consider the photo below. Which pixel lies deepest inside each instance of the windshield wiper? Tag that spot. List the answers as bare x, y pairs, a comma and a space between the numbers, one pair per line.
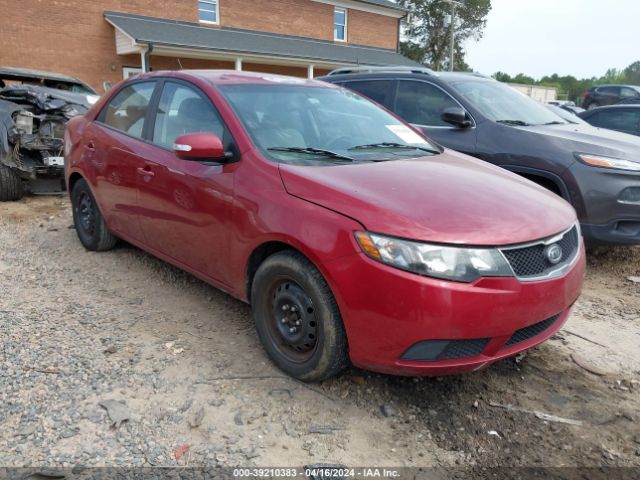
518, 123
393, 145
311, 151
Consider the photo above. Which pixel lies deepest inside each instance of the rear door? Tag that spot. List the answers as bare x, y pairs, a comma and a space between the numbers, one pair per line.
112, 143
608, 95
421, 103
379, 90
185, 206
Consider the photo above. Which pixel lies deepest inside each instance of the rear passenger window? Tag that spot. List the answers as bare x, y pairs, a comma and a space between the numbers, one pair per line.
609, 90
617, 120
182, 110
422, 103
377, 90
127, 110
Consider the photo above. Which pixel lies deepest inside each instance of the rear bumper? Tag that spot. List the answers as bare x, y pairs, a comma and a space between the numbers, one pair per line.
387, 311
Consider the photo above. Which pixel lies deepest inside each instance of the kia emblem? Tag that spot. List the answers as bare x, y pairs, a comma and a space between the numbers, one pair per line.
553, 253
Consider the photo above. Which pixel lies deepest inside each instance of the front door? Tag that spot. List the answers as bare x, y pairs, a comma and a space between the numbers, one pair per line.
185, 206
421, 103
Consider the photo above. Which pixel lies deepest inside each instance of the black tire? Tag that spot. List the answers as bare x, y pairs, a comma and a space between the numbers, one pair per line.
90, 227
10, 185
318, 348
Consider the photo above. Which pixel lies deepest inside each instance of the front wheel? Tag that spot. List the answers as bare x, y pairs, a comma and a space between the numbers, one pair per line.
593, 105
90, 226
297, 318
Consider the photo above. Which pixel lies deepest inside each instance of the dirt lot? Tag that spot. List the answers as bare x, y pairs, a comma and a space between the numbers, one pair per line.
79, 328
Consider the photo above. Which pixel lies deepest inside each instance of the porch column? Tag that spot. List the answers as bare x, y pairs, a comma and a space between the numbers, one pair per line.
310, 72
239, 64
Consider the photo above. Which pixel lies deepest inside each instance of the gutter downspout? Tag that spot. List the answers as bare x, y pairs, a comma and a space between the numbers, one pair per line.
145, 56
399, 31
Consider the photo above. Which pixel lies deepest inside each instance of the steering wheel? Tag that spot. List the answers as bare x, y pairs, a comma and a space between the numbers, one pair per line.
345, 141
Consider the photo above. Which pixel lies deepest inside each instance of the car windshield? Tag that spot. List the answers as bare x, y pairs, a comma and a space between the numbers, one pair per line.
309, 125
502, 103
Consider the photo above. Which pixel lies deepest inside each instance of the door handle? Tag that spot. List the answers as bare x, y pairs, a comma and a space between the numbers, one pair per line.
145, 171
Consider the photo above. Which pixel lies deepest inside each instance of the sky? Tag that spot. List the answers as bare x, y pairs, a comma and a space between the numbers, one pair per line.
583, 38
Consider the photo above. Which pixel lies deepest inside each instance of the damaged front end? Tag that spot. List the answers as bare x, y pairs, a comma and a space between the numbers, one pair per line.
32, 122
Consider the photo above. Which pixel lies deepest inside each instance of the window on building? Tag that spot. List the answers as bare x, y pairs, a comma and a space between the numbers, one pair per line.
340, 24
208, 11
127, 110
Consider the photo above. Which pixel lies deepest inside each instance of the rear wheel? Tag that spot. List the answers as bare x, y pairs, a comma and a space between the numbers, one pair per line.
297, 318
90, 226
10, 185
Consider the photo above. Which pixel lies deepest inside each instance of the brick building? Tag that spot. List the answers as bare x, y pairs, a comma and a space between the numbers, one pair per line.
106, 40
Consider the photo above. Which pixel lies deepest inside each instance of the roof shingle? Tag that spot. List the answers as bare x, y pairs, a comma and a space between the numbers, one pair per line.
172, 33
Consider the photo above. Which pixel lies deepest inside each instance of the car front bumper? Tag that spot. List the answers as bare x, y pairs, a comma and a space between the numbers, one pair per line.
607, 202
390, 315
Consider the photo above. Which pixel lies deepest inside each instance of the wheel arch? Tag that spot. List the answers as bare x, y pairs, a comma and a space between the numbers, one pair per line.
263, 251
546, 179
73, 179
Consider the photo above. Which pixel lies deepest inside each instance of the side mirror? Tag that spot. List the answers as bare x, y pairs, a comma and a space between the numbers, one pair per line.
456, 116
199, 147
106, 85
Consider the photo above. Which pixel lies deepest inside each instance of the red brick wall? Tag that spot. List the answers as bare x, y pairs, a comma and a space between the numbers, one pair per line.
72, 36
302, 18
364, 28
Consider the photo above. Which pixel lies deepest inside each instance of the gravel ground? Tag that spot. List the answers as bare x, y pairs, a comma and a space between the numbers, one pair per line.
118, 359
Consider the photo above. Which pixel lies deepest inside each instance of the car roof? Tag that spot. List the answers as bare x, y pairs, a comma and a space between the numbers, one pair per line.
635, 87
403, 72
615, 107
22, 74
608, 108
233, 77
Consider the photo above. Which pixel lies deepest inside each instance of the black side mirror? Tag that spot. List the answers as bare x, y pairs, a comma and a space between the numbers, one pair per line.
456, 116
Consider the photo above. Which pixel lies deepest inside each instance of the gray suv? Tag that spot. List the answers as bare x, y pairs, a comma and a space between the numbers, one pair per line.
596, 170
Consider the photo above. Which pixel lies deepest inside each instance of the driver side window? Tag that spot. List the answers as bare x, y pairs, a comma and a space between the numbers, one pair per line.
422, 103
182, 110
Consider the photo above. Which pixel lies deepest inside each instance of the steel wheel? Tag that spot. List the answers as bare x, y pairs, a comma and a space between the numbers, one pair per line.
293, 325
297, 318
90, 226
86, 215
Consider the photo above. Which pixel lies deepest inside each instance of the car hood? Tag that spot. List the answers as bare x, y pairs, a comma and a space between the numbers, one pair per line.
589, 139
448, 198
46, 99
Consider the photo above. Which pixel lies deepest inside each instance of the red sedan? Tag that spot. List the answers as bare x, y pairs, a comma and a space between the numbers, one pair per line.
352, 236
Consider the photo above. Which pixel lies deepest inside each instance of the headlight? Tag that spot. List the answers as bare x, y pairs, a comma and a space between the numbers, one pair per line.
608, 162
459, 264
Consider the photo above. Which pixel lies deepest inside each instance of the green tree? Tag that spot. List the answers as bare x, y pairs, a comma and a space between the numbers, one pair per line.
632, 74
428, 40
571, 86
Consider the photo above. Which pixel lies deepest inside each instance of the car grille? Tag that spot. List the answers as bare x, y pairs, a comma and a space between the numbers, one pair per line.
430, 350
531, 331
531, 261
463, 348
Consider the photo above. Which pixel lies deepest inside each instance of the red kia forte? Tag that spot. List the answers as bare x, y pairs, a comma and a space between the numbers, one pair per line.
352, 236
